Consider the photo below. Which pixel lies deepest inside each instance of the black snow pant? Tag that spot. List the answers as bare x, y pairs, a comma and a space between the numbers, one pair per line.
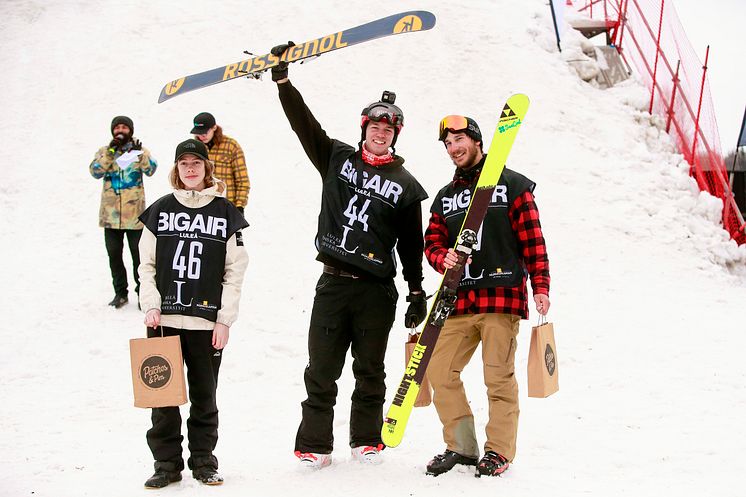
164, 438
347, 313
114, 239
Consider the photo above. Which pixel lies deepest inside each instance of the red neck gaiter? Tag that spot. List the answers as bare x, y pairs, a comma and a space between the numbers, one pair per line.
376, 160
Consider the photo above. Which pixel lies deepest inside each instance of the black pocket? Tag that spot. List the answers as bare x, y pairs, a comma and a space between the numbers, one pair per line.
323, 282
391, 291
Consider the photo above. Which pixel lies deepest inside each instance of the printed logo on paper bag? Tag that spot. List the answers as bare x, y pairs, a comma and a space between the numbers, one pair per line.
155, 372
549, 360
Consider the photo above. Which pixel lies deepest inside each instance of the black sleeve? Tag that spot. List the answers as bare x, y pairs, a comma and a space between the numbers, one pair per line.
315, 142
410, 244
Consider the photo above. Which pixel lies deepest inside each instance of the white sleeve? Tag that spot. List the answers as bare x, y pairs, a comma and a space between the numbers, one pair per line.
236, 260
149, 296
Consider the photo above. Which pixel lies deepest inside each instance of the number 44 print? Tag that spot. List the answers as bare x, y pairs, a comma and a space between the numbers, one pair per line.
352, 214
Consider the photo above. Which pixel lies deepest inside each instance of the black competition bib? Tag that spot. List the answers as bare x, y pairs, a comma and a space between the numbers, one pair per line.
358, 212
190, 253
496, 260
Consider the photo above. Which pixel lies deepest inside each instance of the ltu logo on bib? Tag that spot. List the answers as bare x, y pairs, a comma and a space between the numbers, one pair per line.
155, 372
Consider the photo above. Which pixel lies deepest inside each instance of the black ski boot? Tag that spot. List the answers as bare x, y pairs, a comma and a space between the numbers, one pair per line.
492, 464
118, 301
446, 461
208, 476
162, 479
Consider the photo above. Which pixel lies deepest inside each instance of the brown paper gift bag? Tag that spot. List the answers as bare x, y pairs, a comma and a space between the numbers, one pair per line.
543, 369
425, 395
157, 372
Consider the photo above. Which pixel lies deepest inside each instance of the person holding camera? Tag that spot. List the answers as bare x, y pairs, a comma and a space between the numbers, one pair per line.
370, 204
121, 165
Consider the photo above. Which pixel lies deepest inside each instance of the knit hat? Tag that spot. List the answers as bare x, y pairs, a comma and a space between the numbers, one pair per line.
472, 130
123, 120
191, 146
459, 124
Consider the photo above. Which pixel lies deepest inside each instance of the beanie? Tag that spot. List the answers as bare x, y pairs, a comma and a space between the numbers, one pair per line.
123, 120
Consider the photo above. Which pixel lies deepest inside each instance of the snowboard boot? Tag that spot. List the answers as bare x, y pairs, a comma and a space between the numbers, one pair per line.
118, 301
367, 454
446, 461
162, 479
309, 460
207, 475
492, 464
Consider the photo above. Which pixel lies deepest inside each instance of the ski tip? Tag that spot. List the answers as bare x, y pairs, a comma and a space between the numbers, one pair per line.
171, 89
415, 20
513, 112
411, 21
519, 97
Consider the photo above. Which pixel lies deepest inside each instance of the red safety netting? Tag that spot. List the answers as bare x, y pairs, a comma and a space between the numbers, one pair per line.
679, 88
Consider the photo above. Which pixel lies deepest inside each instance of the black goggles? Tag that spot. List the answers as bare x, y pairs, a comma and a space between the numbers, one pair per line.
382, 111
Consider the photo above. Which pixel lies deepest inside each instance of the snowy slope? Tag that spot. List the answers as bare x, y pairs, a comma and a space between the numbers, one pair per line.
647, 291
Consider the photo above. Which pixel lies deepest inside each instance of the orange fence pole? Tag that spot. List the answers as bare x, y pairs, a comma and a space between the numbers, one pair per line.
671, 112
657, 53
699, 108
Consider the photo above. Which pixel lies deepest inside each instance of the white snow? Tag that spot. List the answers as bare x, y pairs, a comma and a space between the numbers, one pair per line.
647, 290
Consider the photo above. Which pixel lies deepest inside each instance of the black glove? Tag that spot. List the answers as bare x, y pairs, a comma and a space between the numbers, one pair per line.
137, 145
416, 311
115, 143
280, 71
240, 209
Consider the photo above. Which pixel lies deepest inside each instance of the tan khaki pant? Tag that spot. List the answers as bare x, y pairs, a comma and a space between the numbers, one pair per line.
457, 342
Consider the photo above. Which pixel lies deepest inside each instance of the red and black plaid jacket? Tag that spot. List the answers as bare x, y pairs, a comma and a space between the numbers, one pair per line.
524, 218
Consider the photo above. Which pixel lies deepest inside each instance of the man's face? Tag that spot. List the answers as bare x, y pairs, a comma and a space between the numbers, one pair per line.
207, 136
462, 149
378, 137
121, 129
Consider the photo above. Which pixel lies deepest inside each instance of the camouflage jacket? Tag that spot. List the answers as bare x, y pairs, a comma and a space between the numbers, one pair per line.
230, 167
123, 195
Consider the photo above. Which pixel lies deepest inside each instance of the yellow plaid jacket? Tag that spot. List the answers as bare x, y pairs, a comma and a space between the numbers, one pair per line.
230, 167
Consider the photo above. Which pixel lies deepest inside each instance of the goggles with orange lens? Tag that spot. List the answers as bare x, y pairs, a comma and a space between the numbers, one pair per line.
459, 123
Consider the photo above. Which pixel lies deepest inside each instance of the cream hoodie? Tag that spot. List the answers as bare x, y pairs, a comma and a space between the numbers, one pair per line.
236, 260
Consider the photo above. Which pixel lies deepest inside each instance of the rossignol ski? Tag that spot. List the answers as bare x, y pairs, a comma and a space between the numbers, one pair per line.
397, 416
406, 22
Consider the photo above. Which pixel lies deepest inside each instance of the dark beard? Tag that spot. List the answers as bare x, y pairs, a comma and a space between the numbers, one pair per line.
124, 137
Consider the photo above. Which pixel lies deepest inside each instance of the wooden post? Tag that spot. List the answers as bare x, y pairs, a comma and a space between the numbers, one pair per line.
657, 53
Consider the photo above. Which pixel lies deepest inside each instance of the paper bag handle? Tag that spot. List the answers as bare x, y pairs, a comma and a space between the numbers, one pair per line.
160, 326
542, 320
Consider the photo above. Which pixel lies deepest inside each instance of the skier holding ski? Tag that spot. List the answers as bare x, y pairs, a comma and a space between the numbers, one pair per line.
193, 264
491, 300
370, 203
